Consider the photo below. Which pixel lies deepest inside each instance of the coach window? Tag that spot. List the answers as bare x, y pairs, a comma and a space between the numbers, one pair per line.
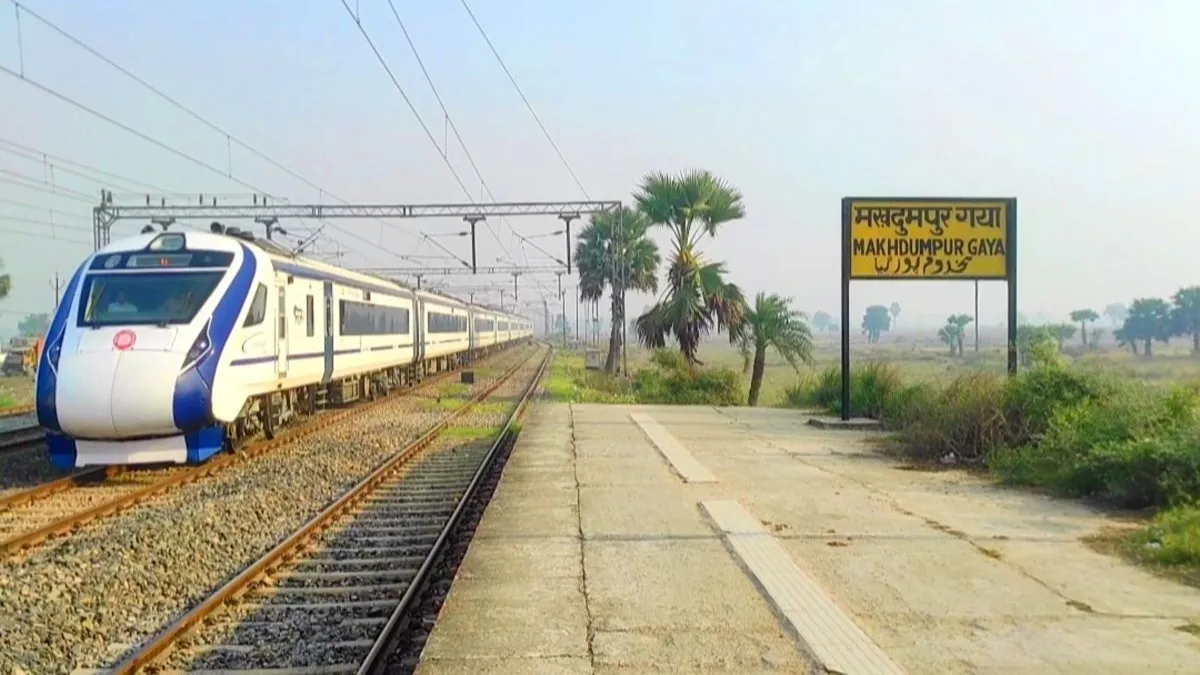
311, 325
258, 308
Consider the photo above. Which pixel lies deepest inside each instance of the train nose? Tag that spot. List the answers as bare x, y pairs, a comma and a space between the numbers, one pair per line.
123, 391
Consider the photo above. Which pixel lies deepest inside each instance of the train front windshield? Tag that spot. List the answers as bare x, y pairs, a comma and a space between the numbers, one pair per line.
145, 298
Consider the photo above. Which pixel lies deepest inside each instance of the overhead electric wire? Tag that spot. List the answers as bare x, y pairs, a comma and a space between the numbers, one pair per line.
174, 151
525, 99
197, 116
32, 153
420, 120
450, 123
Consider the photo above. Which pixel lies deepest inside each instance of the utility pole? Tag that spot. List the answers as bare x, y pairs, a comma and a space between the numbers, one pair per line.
57, 282
546, 312
578, 300
567, 218
515, 275
563, 299
473, 220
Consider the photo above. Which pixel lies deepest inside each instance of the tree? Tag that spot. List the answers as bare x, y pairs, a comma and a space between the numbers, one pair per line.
1125, 340
1061, 332
5, 283
1083, 317
697, 299
1094, 338
1187, 314
1149, 320
822, 321
876, 320
1116, 313
959, 321
771, 322
34, 325
615, 252
894, 310
1035, 344
951, 335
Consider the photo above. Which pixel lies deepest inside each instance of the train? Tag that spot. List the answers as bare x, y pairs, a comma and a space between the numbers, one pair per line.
170, 347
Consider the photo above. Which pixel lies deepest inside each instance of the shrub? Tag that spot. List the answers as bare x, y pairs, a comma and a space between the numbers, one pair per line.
965, 418
871, 387
669, 380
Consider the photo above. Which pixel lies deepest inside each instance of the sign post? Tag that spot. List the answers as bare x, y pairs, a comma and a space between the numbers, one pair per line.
969, 239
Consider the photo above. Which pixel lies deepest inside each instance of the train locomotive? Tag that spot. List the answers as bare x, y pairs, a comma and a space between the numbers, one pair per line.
171, 347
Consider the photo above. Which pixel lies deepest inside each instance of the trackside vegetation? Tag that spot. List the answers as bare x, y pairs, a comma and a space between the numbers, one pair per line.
1078, 432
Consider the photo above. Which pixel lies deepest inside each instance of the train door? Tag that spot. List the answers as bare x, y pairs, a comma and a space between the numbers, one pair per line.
419, 330
328, 292
281, 335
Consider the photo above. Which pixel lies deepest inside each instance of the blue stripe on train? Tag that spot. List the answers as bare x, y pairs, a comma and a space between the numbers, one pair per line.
47, 370
192, 404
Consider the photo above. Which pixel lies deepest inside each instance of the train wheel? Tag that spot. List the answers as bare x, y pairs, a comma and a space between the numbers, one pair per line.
267, 417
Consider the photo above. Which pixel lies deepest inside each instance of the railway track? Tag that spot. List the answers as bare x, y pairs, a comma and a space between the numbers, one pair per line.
21, 437
338, 594
32, 516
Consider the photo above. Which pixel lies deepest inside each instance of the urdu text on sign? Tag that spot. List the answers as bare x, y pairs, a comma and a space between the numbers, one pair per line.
928, 239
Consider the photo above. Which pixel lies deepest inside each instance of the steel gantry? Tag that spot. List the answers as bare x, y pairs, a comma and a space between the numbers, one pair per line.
108, 213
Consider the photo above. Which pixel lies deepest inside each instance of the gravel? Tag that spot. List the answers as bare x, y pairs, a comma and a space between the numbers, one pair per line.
123, 579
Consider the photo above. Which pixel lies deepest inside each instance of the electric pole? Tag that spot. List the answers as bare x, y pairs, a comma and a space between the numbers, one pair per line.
563, 299
57, 282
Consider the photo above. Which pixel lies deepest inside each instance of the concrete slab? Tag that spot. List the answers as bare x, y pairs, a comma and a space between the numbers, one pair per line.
852, 424
682, 462
615, 569
660, 592
947, 572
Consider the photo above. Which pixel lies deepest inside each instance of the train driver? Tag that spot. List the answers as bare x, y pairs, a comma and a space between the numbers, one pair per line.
122, 305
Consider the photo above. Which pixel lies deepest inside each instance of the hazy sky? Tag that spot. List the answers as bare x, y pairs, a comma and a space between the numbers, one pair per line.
1085, 111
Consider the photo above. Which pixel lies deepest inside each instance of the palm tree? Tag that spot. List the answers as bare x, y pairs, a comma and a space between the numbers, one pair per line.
5, 283
1187, 314
771, 322
697, 298
615, 252
1083, 317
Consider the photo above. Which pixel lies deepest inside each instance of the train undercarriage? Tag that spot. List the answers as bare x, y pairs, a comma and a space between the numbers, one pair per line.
266, 415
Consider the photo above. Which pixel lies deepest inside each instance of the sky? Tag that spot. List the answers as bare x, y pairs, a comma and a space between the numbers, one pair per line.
1085, 111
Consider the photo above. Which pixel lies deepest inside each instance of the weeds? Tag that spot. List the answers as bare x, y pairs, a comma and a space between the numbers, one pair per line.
667, 380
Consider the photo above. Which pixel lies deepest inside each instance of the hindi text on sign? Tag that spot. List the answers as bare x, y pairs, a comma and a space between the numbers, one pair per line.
936, 239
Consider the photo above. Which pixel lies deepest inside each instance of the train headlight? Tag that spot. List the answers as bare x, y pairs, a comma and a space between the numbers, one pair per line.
201, 346
53, 353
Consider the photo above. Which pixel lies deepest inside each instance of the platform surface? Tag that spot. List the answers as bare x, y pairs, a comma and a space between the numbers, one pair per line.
636, 539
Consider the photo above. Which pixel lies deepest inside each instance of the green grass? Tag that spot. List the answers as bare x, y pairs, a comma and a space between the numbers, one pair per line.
569, 381
469, 433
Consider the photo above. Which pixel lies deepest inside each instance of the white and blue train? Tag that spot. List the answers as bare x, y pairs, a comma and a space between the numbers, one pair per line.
170, 347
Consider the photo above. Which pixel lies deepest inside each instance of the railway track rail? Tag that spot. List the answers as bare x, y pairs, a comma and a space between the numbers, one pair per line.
339, 593
21, 438
30, 517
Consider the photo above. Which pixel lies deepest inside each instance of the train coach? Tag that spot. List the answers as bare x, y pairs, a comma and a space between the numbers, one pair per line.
171, 347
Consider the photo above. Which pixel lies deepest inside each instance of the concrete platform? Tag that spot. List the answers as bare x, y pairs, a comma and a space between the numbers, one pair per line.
693, 540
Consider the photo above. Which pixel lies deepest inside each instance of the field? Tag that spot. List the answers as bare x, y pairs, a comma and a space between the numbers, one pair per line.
15, 391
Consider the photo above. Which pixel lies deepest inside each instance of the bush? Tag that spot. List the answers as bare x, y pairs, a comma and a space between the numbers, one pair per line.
669, 380
966, 418
871, 387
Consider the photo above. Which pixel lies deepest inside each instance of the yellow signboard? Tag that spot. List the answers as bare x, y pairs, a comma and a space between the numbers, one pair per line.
928, 239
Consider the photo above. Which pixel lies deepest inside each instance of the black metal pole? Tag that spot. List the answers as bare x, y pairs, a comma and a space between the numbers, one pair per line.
1011, 265
845, 309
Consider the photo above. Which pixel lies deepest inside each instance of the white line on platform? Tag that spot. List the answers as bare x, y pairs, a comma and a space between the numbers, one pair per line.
687, 466
829, 634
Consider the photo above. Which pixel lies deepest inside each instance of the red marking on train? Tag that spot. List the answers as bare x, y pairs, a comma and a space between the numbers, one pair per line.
124, 339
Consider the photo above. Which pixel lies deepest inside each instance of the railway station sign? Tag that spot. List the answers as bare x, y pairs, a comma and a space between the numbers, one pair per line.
955, 239
928, 238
